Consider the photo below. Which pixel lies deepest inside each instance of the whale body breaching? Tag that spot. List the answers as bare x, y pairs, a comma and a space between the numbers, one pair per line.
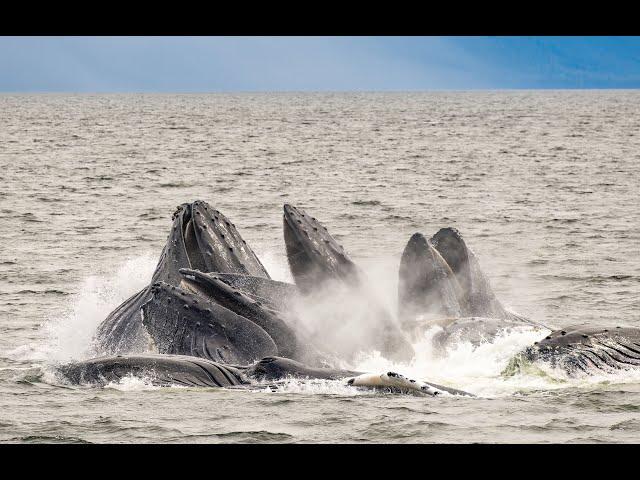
212, 315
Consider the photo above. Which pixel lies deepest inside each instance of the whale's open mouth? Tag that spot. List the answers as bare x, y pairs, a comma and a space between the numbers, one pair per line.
427, 286
449, 243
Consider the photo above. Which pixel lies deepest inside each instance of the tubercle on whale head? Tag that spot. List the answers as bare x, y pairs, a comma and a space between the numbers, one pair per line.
181, 322
179, 209
203, 238
312, 252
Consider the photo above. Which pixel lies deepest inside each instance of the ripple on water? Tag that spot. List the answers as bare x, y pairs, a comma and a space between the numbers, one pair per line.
259, 436
47, 439
372, 167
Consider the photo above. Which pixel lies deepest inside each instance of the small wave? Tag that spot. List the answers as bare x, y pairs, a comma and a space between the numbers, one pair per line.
47, 439
538, 261
250, 436
30, 217
175, 185
100, 178
396, 218
42, 292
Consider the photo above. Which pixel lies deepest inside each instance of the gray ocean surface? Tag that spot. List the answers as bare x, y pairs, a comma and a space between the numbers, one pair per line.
543, 185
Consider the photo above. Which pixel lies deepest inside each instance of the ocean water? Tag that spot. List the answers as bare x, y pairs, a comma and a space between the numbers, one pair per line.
543, 185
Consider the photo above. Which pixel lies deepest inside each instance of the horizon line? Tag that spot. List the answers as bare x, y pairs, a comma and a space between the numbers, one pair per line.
213, 92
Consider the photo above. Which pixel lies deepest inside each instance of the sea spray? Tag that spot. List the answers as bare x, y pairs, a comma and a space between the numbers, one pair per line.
69, 335
480, 369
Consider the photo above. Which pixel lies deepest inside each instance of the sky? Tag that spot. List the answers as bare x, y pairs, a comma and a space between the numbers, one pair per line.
233, 64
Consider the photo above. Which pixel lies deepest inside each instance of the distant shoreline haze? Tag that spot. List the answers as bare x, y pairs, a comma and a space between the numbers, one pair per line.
315, 64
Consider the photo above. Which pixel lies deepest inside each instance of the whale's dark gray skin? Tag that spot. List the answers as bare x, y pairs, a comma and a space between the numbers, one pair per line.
587, 350
276, 295
180, 322
161, 370
313, 254
122, 330
187, 371
212, 288
317, 260
478, 299
200, 237
427, 287
220, 248
433, 292
276, 368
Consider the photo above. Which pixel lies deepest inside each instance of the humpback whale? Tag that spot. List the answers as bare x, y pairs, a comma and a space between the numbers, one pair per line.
161, 370
399, 383
317, 261
578, 350
478, 298
189, 371
276, 368
440, 282
200, 237
314, 256
427, 287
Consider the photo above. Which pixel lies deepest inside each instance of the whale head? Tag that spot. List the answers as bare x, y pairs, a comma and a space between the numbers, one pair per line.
202, 238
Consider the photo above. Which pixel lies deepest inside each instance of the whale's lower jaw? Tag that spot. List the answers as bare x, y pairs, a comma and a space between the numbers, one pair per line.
160, 370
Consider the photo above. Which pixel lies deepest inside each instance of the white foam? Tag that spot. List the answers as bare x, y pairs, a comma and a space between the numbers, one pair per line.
131, 383
68, 335
312, 387
473, 368
477, 369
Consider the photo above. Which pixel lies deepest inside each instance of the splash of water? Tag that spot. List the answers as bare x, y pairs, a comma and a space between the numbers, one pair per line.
313, 387
130, 383
478, 369
68, 335
473, 368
